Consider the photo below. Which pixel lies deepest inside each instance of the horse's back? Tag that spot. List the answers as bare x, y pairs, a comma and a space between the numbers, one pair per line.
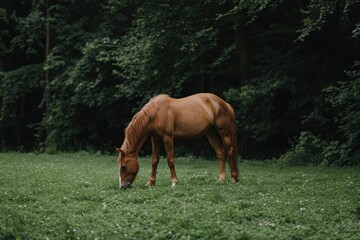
189, 116
205, 104
213, 103
203, 97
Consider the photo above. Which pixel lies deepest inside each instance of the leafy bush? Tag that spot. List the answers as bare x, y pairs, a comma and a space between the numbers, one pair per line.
345, 101
310, 149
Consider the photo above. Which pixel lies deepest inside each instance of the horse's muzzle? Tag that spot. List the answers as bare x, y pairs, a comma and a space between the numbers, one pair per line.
125, 185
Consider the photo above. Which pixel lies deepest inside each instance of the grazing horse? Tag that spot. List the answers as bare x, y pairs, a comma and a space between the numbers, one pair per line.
164, 118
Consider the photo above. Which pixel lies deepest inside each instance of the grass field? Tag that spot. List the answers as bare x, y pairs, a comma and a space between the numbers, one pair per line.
76, 196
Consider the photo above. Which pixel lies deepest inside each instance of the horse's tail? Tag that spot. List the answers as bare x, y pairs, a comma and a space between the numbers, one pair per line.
233, 136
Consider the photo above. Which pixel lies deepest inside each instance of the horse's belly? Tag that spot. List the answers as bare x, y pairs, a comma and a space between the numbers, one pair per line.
190, 129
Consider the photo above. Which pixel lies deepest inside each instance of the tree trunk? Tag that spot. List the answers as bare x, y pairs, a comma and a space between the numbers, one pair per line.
19, 115
242, 46
1, 64
47, 49
301, 4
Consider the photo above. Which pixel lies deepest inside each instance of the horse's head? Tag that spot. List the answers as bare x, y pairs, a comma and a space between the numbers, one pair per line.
128, 168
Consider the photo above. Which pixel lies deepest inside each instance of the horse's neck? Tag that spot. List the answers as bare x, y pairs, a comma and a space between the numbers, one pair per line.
140, 145
133, 147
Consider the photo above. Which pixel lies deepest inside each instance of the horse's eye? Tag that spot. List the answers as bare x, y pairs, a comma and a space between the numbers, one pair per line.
123, 168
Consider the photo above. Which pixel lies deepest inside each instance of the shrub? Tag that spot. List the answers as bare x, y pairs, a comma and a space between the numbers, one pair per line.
309, 149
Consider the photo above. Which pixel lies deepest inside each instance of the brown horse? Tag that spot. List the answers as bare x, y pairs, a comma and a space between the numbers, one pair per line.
164, 118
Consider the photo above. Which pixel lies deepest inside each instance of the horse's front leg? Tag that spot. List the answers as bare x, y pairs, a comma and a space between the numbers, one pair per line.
169, 148
156, 144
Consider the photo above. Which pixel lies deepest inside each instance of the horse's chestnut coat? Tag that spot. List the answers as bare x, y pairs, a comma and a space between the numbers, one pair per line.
164, 118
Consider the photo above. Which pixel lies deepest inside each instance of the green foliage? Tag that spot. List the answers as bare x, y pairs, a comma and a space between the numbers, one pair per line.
283, 65
30, 29
318, 15
154, 56
72, 196
250, 100
266, 97
15, 85
250, 8
309, 149
321, 14
345, 98
4, 34
356, 31
81, 84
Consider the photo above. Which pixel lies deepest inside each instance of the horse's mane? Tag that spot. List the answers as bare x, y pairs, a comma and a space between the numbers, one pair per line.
136, 128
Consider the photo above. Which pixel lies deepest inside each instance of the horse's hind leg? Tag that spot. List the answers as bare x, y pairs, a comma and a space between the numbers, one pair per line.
156, 144
217, 145
231, 154
227, 132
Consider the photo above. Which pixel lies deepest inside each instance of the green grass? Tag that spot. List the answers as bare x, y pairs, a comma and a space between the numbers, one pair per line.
76, 196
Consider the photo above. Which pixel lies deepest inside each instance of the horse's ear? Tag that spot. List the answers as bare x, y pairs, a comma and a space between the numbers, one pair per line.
118, 150
122, 153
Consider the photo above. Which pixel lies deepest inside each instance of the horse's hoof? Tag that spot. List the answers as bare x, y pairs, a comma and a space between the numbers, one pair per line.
234, 179
221, 179
173, 184
150, 184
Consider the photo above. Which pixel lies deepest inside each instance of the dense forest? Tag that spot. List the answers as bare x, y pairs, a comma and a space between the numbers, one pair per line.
73, 72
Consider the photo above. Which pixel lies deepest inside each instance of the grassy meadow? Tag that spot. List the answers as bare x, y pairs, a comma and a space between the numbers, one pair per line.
76, 196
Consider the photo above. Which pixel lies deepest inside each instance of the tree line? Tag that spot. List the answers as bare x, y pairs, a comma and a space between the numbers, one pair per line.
73, 72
